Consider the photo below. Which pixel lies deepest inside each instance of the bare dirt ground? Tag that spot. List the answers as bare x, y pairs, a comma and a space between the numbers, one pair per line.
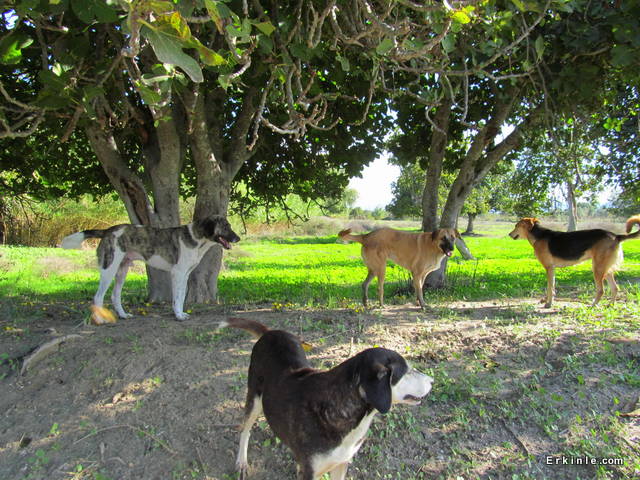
151, 398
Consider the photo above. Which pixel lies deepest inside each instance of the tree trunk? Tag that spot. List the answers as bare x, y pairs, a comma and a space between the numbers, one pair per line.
470, 219
163, 165
434, 169
476, 164
437, 149
216, 170
572, 209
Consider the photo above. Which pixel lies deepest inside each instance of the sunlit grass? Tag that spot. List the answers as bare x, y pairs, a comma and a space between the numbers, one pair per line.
318, 271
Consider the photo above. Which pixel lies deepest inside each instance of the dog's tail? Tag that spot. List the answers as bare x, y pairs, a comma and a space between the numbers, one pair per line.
75, 239
256, 329
635, 220
345, 236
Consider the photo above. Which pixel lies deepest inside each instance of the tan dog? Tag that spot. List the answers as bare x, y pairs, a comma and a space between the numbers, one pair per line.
420, 253
562, 249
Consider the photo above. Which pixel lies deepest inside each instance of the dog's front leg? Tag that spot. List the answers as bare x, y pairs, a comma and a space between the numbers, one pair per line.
551, 286
179, 280
253, 409
340, 472
116, 295
418, 281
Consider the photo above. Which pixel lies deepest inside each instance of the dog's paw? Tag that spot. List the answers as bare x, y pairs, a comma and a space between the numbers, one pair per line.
125, 315
181, 317
242, 469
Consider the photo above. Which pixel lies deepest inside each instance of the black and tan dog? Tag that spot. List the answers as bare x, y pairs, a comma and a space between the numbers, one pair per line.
420, 253
322, 416
561, 249
176, 250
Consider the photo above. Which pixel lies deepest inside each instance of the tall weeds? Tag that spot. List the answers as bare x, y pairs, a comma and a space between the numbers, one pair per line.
44, 224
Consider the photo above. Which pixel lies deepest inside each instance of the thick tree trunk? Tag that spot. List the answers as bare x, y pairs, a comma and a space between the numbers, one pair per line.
470, 219
163, 164
572, 207
434, 169
164, 159
129, 187
215, 172
476, 164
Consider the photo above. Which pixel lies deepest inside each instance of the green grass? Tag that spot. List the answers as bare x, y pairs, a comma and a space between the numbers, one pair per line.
318, 271
308, 271
512, 383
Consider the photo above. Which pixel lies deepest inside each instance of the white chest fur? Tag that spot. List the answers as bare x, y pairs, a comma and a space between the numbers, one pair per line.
327, 461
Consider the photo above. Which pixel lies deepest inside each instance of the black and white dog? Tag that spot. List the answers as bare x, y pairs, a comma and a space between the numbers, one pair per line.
322, 416
176, 250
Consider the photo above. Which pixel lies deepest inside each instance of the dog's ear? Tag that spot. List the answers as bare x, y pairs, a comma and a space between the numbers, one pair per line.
376, 384
457, 233
209, 226
434, 234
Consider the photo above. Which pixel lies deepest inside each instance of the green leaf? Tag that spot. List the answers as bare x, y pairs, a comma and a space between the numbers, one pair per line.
11, 47
265, 43
234, 31
301, 51
103, 12
384, 47
91, 92
539, 45
210, 57
621, 56
344, 63
149, 96
519, 5
82, 10
460, 17
224, 81
265, 27
449, 43
169, 50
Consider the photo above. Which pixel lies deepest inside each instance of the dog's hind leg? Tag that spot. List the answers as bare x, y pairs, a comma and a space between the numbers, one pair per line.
613, 286
179, 281
253, 409
116, 295
598, 276
106, 277
365, 287
418, 282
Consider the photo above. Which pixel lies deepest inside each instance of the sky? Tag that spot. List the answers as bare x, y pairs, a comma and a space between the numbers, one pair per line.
374, 188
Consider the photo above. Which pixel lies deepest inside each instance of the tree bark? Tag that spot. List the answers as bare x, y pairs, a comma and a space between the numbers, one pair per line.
129, 187
164, 159
434, 169
572, 207
477, 163
470, 219
216, 169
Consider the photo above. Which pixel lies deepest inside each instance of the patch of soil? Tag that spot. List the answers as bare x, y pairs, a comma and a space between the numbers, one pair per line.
151, 398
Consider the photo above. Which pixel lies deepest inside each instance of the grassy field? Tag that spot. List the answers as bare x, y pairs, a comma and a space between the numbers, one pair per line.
517, 387
316, 271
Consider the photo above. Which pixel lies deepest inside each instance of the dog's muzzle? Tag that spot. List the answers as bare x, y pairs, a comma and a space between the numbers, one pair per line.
447, 250
226, 243
412, 388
